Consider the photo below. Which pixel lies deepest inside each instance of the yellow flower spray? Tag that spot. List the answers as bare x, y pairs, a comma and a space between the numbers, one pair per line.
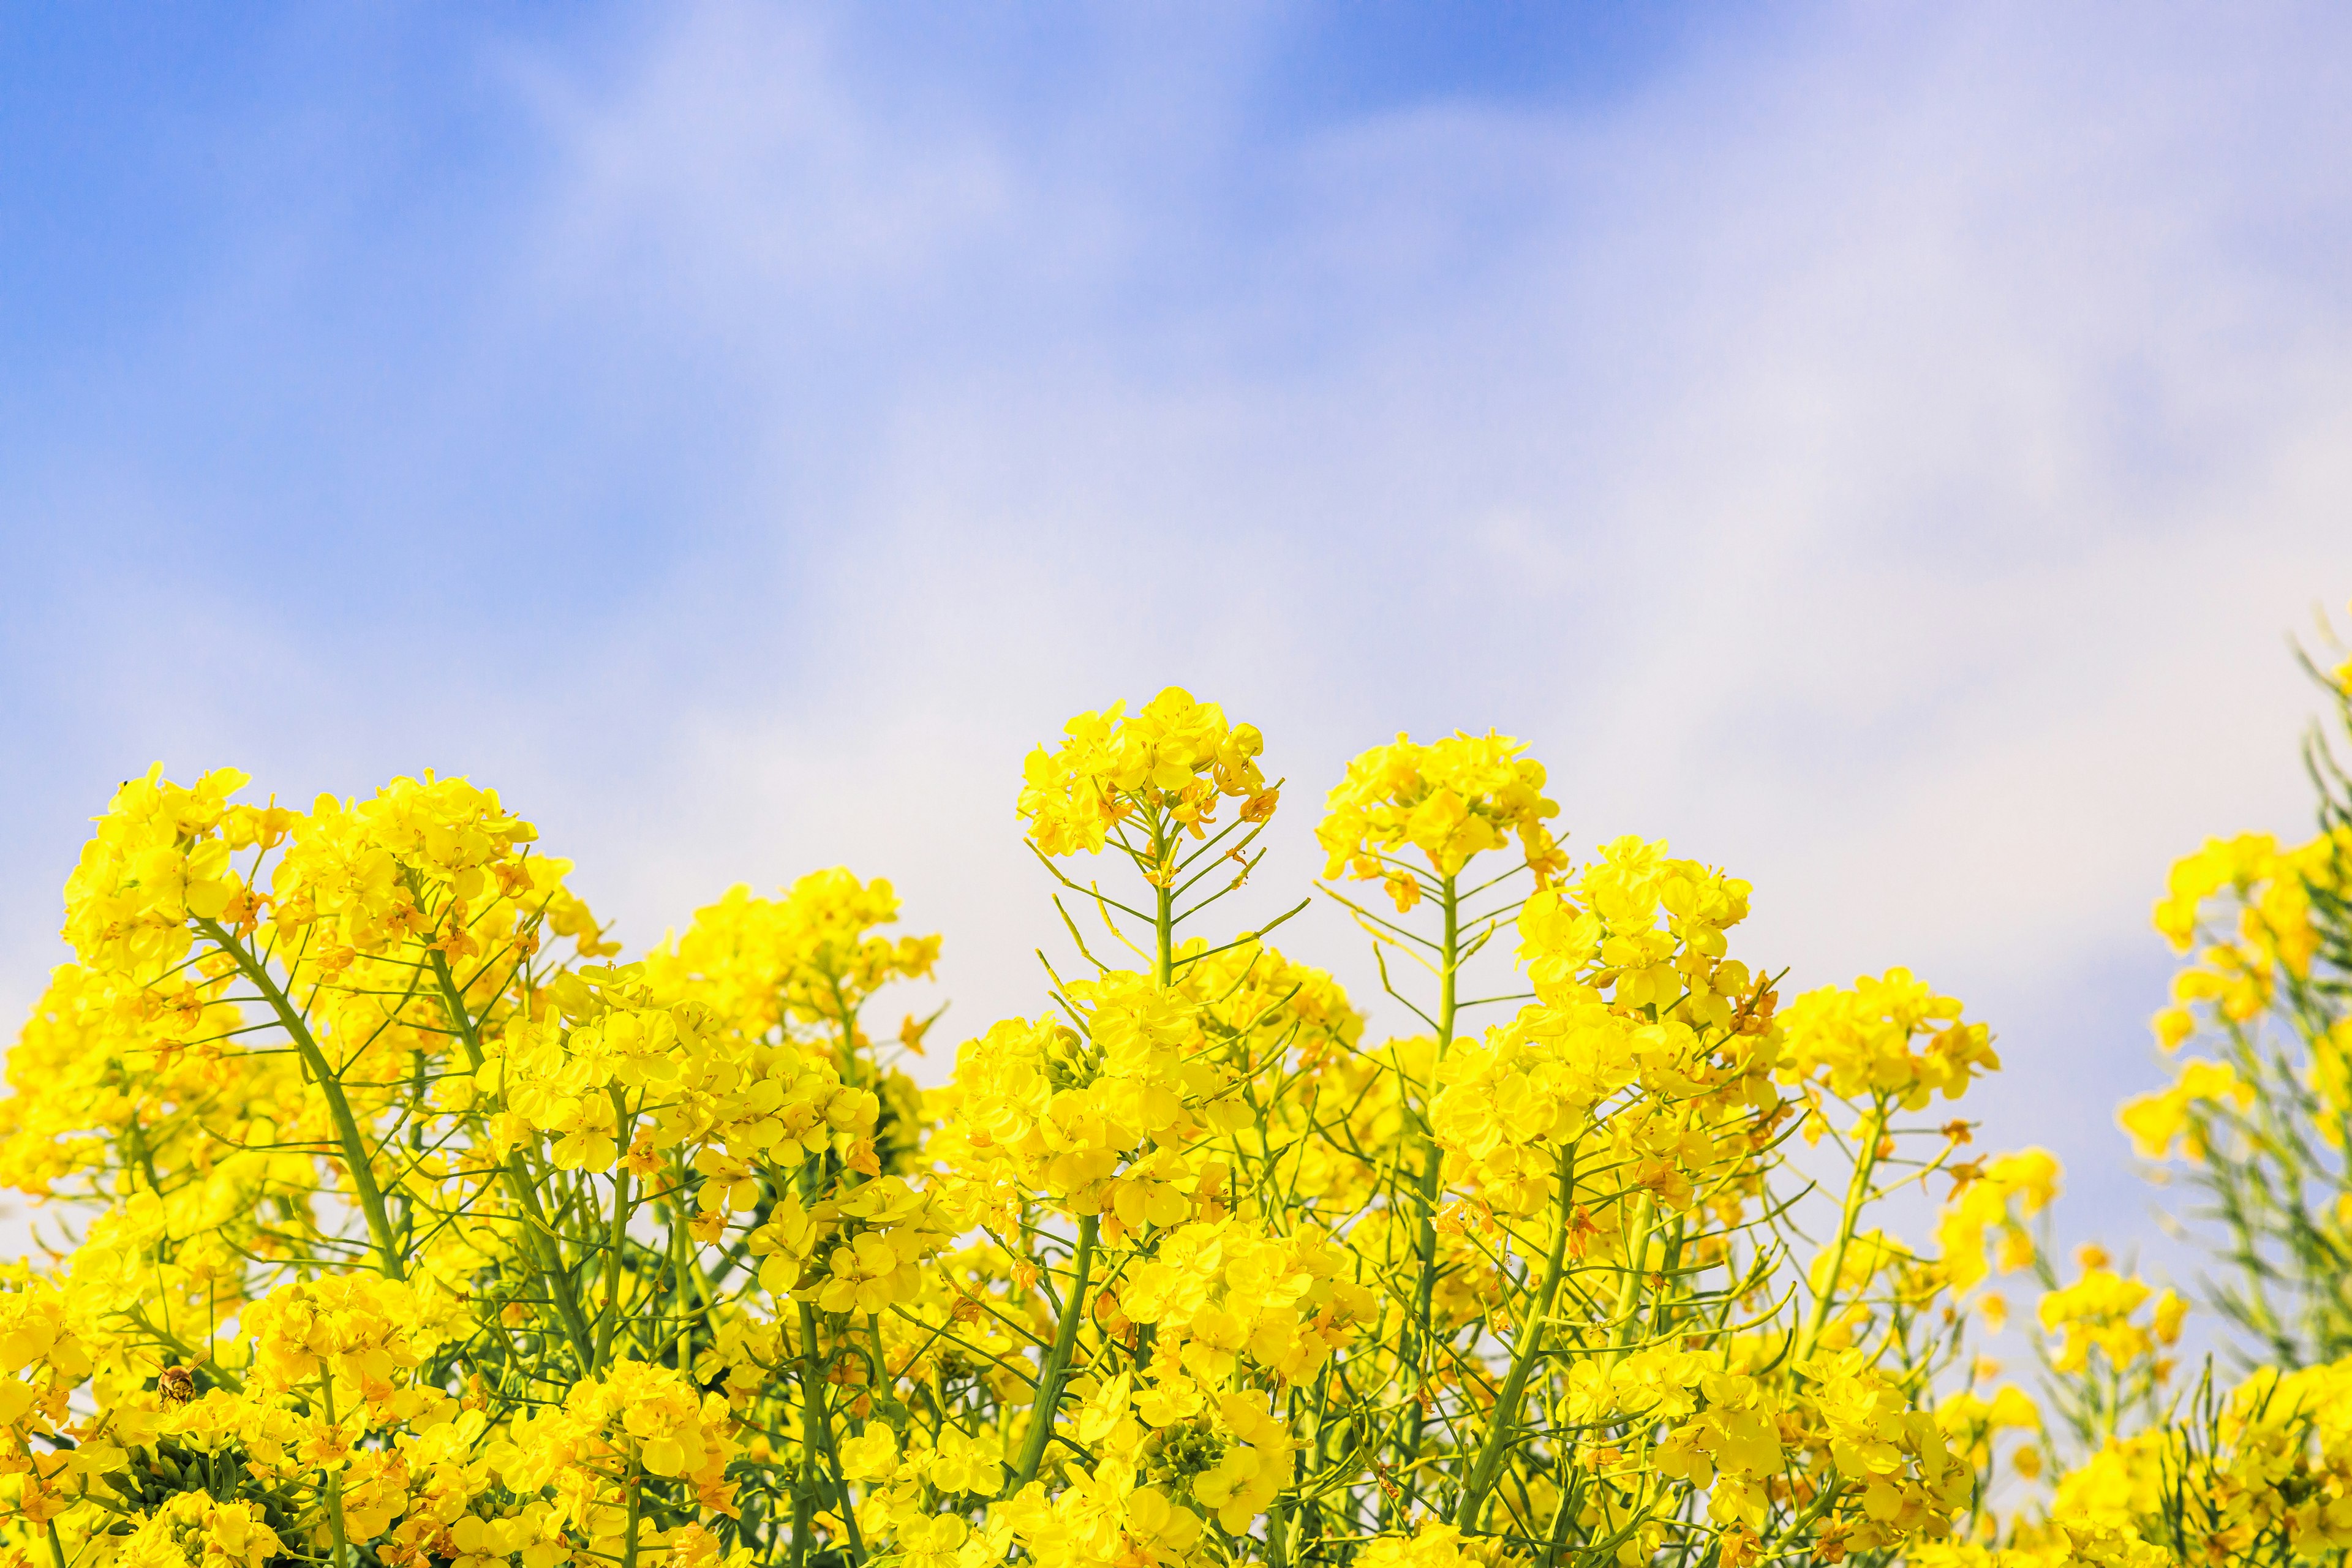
393, 1219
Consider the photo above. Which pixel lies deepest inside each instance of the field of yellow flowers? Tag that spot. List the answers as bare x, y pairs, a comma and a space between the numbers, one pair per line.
390, 1217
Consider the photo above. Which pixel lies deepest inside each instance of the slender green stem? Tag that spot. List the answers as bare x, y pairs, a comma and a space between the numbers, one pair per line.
1163, 917
1629, 1284
1857, 1193
1563, 1512
1057, 1359
608, 1317
334, 1486
339, 1109
1504, 1419
804, 1493
1428, 1182
816, 1428
546, 1252
846, 1016
1823, 1502
681, 1258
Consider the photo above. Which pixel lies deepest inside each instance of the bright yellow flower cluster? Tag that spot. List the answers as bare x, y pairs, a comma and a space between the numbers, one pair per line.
809, 957
1648, 930
193, 1529
2096, 1312
1990, 1201
2263, 1474
1892, 1037
2239, 970
362, 1329
2258, 1118
398, 1221
1450, 800
2159, 1120
1173, 755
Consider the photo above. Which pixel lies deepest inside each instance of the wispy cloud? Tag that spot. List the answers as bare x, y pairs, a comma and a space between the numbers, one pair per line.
1881, 451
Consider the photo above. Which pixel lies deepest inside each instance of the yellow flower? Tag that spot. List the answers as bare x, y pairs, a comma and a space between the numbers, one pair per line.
1172, 754
2156, 1122
1450, 800
1889, 1037
1994, 1198
192, 1531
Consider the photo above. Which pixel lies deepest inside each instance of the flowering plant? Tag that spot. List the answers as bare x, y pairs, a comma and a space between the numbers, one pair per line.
2159, 1473
390, 1218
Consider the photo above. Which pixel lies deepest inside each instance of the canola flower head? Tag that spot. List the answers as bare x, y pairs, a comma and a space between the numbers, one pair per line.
806, 959
1447, 801
1172, 756
1983, 1227
1888, 1036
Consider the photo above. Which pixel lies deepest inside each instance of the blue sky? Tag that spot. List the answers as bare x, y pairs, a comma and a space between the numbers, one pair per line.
1884, 450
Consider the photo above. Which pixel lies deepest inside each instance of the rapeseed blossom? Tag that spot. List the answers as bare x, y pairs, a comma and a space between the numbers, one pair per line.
399, 1217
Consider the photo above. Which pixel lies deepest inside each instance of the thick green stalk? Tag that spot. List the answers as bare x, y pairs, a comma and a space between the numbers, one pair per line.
339, 1109
1057, 1359
1524, 1356
1629, 1285
804, 1493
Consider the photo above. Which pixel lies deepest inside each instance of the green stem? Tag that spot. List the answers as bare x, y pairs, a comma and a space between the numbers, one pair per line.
1563, 1512
546, 1253
1823, 1502
804, 1494
846, 1016
1163, 917
1629, 1286
1426, 1187
1504, 1419
816, 1430
549, 1257
334, 1486
339, 1109
609, 1318
1057, 1359
681, 1258
1857, 1193
1445, 981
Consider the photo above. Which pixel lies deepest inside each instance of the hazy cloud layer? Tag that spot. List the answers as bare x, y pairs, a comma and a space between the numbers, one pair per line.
1882, 451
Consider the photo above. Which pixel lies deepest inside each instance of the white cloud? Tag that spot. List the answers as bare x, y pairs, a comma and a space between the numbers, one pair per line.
1881, 456
1885, 466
